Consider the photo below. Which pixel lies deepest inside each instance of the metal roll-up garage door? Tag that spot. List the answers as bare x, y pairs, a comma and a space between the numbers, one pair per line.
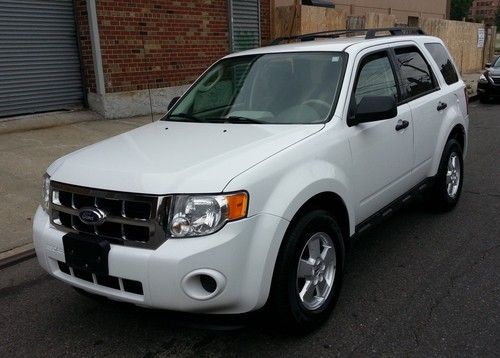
39, 60
245, 24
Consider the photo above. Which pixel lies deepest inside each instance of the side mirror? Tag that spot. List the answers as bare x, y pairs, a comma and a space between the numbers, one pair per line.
488, 65
172, 102
374, 108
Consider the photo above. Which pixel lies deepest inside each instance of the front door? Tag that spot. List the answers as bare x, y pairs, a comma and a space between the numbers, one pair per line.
382, 151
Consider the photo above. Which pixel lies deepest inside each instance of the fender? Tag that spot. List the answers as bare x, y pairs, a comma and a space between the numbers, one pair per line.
300, 190
283, 183
280, 186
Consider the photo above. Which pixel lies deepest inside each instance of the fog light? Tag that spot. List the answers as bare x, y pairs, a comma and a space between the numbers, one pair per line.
203, 284
208, 283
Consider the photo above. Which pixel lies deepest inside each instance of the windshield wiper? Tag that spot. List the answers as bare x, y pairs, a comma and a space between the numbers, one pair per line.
239, 119
230, 119
187, 116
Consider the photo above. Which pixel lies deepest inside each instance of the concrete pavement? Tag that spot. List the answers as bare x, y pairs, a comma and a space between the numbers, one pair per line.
24, 156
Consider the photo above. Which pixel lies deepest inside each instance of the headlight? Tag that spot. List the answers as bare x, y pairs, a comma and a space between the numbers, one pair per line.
198, 215
45, 192
483, 79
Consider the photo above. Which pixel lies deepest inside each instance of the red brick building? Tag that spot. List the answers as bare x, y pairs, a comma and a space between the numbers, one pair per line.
116, 55
484, 10
157, 47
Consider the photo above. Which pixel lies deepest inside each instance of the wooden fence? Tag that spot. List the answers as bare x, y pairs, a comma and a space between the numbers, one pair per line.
460, 37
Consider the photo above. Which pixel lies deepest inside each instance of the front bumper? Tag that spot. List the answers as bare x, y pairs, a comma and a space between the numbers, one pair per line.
243, 252
488, 89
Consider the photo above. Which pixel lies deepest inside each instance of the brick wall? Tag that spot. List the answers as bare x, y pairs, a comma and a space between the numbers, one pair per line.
265, 21
160, 43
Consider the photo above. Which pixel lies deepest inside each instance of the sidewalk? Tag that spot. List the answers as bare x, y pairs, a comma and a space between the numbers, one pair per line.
24, 156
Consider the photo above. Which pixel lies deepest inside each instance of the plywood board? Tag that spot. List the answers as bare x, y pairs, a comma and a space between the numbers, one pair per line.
316, 19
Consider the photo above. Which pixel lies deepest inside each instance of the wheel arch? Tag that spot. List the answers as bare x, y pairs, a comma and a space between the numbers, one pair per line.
456, 131
331, 202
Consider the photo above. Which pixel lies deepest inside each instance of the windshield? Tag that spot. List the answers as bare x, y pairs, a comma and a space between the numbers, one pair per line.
496, 63
282, 88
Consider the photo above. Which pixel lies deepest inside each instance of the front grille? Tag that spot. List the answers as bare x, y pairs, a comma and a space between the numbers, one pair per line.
115, 283
496, 80
131, 219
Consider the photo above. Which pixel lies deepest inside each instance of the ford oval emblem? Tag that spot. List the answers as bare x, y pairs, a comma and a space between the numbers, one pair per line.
92, 216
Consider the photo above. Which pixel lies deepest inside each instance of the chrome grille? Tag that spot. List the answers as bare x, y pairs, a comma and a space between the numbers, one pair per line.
131, 219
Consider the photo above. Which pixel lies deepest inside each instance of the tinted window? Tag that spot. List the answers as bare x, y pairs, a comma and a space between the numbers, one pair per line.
443, 61
375, 77
415, 72
496, 62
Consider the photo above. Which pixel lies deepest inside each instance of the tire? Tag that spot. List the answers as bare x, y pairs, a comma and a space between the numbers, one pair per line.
484, 99
299, 315
445, 192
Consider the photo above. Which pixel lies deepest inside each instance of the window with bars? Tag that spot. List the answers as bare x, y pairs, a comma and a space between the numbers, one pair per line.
244, 24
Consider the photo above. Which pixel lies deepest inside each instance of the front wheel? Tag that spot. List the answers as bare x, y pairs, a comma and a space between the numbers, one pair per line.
447, 187
308, 272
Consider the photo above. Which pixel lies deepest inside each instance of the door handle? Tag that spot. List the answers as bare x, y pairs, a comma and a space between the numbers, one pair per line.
402, 125
441, 106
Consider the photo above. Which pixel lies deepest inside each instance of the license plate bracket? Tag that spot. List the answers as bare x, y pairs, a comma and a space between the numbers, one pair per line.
88, 253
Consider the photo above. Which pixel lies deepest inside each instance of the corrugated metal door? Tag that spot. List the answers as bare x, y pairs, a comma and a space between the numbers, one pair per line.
39, 61
245, 24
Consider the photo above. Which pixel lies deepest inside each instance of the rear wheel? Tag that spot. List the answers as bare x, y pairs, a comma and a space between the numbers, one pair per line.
447, 188
308, 272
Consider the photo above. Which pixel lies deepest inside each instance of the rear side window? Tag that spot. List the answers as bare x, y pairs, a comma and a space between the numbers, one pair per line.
440, 55
416, 75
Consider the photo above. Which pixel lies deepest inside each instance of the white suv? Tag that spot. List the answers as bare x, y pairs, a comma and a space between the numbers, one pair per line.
250, 188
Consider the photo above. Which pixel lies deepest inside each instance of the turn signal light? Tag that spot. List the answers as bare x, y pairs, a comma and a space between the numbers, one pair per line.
237, 205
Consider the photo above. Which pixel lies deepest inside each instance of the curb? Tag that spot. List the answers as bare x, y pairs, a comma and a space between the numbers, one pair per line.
17, 255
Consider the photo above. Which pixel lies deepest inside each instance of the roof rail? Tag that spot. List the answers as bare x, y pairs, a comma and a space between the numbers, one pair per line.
370, 34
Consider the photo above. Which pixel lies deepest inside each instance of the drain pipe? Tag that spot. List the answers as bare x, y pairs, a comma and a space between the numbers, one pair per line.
96, 47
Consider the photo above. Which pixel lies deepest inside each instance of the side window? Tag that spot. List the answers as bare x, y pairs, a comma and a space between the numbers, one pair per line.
443, 61
416, 74
375, 77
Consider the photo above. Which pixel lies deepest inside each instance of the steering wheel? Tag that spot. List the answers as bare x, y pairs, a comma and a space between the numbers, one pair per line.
319, 106
204, 88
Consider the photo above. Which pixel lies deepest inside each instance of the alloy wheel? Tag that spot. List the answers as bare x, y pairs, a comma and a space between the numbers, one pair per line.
316, 271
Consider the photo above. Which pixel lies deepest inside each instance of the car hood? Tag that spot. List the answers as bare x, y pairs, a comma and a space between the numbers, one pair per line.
494, 71
176, 157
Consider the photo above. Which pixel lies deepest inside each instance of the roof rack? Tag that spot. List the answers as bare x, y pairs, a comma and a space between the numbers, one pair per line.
370, 34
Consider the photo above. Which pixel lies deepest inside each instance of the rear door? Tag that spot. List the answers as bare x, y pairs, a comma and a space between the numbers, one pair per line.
382, 151
421, 91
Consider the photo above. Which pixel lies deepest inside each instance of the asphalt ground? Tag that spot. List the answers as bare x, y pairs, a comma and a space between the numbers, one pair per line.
421, 284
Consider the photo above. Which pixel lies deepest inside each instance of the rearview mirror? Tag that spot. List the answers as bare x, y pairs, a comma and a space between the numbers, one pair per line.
488, 65
374, 108
172, 102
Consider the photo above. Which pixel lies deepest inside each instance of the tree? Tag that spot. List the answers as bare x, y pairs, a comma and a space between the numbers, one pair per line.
459, 9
